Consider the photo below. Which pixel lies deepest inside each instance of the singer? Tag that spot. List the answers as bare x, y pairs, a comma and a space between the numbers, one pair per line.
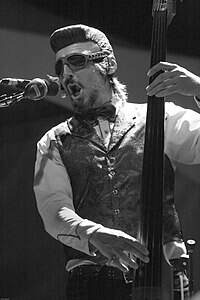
88, 168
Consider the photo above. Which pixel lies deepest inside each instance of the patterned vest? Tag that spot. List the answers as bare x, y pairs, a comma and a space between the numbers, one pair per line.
106, 181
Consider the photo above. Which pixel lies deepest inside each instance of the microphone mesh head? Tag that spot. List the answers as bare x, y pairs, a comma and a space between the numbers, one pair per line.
39, 88
36, 89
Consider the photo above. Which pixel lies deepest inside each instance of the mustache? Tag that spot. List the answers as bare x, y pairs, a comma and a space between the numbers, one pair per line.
71, 80
68, 81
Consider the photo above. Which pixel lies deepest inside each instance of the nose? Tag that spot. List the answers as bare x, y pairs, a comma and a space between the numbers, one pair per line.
67, 76
67, 72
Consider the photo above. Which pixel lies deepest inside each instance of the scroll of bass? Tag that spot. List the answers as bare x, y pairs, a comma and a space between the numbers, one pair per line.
154, 281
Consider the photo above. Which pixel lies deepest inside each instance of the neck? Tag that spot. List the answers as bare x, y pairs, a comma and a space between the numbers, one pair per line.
113, 99
105, 96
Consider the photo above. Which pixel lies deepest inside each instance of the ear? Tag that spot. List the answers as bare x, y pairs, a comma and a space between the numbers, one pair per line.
112, 65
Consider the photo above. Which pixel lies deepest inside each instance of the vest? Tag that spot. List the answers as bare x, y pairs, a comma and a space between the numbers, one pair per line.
106, 182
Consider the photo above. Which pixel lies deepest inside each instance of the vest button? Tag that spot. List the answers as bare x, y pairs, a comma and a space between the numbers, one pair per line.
112, 173
111, 159
116, 211
115, 192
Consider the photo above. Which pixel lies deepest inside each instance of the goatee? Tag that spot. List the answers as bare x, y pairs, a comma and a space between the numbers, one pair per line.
89, 104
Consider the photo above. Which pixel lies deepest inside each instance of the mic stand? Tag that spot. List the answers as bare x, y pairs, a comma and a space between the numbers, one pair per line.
184, 266
8, 101
191, 245
180, 267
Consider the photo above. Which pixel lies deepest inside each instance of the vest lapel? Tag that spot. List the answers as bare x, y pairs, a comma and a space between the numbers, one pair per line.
125, 120
87, 131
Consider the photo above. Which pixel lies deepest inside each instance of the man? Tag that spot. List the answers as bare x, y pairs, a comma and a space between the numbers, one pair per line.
88, 168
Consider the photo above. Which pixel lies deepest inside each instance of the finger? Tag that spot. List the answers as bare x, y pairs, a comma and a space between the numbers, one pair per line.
114, 262
164, 66
163, 77
134, 247
138, 254
162, 86
135, 244
127, 260
168, 91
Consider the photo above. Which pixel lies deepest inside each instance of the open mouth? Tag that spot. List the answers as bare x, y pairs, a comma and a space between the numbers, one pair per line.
74, 89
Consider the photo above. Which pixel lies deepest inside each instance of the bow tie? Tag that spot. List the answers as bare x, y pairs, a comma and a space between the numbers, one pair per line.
106, 112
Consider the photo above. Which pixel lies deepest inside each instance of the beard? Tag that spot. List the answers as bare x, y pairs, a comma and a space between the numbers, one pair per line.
86, 104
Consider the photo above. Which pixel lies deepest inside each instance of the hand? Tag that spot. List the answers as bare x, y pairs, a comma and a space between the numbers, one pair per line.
175, 79
114, 243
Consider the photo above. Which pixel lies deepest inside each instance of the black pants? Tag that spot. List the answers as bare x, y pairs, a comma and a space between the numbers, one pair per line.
99, 283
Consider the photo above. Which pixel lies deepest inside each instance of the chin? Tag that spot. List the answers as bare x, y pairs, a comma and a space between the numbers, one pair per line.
78, 107
86, 102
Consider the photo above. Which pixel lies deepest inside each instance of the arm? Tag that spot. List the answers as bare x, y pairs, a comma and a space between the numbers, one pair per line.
55, 202
182, 125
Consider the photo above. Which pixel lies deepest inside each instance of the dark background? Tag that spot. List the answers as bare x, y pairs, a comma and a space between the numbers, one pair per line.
32, 264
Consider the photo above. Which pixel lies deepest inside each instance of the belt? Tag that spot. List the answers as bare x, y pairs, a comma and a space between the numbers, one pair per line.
104, 272
107, 272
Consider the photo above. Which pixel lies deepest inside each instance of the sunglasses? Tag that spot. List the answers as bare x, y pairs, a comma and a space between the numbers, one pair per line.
78, 61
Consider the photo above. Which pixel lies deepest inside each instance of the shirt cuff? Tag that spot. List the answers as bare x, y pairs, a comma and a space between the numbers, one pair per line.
80, 239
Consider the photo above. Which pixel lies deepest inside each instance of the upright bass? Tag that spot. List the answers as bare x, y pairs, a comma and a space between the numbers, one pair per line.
154, 281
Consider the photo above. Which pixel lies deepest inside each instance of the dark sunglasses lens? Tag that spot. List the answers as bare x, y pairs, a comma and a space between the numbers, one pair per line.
58, 67
77, 60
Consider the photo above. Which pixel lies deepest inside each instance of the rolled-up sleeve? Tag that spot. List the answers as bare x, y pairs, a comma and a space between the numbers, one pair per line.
182, 134
54, 199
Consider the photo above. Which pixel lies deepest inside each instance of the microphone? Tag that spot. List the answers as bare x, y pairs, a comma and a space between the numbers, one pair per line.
35, 89
39, 88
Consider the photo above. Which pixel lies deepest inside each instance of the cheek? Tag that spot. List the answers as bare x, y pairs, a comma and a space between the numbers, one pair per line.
96, 82
90, 77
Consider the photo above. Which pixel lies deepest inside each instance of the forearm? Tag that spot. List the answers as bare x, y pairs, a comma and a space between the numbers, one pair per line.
55, 203
63, 224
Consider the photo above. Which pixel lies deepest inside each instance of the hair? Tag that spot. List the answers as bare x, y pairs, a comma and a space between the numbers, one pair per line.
119, 88
79, 33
